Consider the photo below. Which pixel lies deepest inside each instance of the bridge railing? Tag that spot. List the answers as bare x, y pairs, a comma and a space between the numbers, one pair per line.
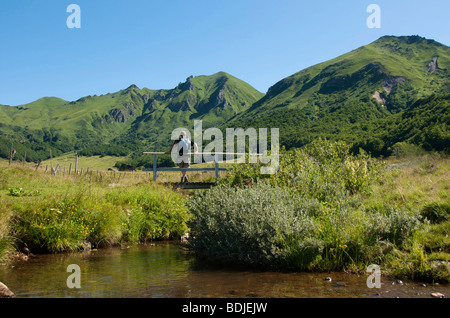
216, 168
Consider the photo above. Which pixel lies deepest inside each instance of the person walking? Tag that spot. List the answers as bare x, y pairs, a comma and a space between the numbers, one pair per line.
184, 153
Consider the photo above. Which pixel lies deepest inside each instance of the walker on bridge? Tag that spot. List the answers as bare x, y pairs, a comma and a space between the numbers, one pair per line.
192, 185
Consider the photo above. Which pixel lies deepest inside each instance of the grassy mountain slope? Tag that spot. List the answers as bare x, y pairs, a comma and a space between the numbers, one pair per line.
116, 123
335, 98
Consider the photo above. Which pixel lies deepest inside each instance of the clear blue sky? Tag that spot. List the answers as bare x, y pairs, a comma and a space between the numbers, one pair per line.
159, 43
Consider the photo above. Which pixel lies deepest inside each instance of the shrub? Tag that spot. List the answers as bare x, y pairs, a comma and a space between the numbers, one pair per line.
248, 225
392, 224
436, 212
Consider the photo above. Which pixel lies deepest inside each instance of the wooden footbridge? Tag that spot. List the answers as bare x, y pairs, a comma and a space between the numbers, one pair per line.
190, 185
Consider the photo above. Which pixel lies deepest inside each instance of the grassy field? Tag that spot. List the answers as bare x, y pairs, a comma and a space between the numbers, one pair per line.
93, 162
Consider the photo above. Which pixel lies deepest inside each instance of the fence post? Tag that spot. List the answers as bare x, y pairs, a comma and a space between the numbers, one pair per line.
70, 168
11, 154
154, 167
216, 166
37, 167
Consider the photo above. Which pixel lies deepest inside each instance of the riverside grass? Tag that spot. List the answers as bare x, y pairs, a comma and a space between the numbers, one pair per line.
328, 210
54, 214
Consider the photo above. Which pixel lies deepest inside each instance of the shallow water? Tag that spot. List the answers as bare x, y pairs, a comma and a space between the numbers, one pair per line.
164, 270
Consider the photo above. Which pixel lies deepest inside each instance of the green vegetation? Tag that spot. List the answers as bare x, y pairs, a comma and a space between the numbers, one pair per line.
373, 97
123, 123
331, 206
52, 214
328, 210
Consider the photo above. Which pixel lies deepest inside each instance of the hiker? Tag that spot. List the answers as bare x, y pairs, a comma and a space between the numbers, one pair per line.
184, 153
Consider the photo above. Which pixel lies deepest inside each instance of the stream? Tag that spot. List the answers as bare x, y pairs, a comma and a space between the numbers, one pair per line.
165, 270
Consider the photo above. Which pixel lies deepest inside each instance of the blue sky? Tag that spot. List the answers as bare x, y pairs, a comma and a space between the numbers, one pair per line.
157, 44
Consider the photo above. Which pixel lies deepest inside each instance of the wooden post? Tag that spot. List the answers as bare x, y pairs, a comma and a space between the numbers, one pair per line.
64, 173
37, 167
70, 168
24, 158
216, 166
81, 172
10, 155
154, 167
114, 176
46, 167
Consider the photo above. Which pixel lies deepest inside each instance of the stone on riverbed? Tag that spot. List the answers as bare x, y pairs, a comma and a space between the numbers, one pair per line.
5, 292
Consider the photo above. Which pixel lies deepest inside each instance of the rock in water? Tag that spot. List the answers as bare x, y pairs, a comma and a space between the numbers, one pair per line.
5, 292
437, 295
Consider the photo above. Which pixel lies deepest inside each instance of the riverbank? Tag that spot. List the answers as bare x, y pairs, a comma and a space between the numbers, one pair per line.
46, 214
324, 211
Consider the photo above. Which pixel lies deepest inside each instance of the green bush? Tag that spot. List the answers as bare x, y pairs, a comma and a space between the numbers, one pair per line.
323, 169
308, 216
248, 225
392, 224
436, 212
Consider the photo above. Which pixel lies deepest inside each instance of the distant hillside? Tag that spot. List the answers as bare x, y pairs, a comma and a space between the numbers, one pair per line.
344, 97
118, 123
394, 90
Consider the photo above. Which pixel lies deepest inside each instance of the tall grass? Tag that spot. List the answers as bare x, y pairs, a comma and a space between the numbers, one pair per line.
64, 213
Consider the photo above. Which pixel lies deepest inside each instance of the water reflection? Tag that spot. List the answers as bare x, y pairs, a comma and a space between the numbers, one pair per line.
165, 270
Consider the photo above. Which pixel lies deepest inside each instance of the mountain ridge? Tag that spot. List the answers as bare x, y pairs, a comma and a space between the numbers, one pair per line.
348, 97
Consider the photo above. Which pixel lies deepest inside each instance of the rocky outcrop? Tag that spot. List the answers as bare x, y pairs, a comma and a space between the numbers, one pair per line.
391, 82
188, 85
433, 65
5, 292
121, 115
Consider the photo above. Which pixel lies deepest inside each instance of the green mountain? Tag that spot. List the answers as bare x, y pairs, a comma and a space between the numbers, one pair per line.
392, 91
347, 97
132, 119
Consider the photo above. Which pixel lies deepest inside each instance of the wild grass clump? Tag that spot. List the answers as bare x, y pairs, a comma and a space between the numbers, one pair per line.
6, 241
65, 213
